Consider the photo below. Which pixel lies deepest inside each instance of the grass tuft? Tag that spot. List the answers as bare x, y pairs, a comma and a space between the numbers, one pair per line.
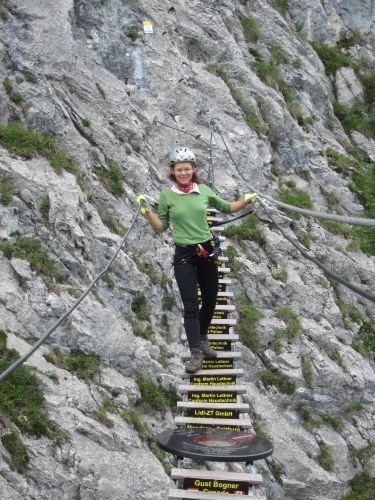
84, 366
112, 178
251, 29
21, 397
248, 318
282, 382
19, 457
246, 230
30, 249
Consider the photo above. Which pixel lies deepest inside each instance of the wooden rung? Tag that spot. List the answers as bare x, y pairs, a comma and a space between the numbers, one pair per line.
222, 238
221, 294
239, 389
186, 405
225, 307
238, 372
219, 229
224, 269
225, 281
216, 336
215, 219
223, 258
238, 422
203, 495
228, 321
219, 355
178, 474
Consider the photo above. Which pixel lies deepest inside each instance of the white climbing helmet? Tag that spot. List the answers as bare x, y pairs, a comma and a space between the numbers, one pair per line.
181, 154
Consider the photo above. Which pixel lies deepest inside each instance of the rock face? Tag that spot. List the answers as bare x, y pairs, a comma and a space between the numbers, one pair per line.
86, 74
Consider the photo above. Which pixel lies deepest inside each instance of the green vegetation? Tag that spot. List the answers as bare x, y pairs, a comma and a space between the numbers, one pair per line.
141, 308
252, 120
364, 454
111, 178
85, 122
296, 198
281, 6
168, 303
45, 206
251, 29
332, 58
281, 275
132, 418
282, 382
3, 10
30, 249
30, 77
247, 230
335, 421
324, 458
309, 422
111, 285
330, 196
279, 56
268, 72
8, 87
248, 318
149, 269
139, 329
54, 377
100, 414
364, 341
110, 221
349, 311
292, 329
19, 458
261, 431
6, 191
255, 53
156, 397
101, 90
29, 144
21, 397
307, 371
133, 34
362, 487
235, 266
84, 366
336, 357
337, 228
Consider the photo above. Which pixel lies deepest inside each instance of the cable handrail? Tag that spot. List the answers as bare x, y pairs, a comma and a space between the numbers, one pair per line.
64, 316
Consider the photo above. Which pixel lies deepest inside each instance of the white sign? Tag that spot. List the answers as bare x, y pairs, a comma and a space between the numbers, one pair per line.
148, 27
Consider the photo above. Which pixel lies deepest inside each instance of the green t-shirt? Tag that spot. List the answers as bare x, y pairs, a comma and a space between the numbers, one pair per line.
187, 213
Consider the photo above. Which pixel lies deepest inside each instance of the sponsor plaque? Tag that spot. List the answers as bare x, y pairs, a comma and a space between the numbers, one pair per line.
216, 486
233, 428
219, 329
218, 364
220, 315
213, 380
212, 397
208, 413
220, 345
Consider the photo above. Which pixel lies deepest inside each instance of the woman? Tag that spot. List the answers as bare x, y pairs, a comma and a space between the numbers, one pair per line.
184, 206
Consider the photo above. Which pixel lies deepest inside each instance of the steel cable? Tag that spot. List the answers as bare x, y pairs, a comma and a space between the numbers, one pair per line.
62, 318
327, 271
355, 221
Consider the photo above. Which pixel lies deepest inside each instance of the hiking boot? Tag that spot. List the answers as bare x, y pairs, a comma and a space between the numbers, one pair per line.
207, 351
195, 362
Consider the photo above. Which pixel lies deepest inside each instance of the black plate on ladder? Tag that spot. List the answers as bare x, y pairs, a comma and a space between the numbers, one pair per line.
214, 445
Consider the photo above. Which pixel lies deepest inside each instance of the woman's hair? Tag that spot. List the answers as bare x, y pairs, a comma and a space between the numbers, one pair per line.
195, 177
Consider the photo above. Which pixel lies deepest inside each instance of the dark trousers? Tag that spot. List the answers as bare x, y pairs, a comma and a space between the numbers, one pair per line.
189, 271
